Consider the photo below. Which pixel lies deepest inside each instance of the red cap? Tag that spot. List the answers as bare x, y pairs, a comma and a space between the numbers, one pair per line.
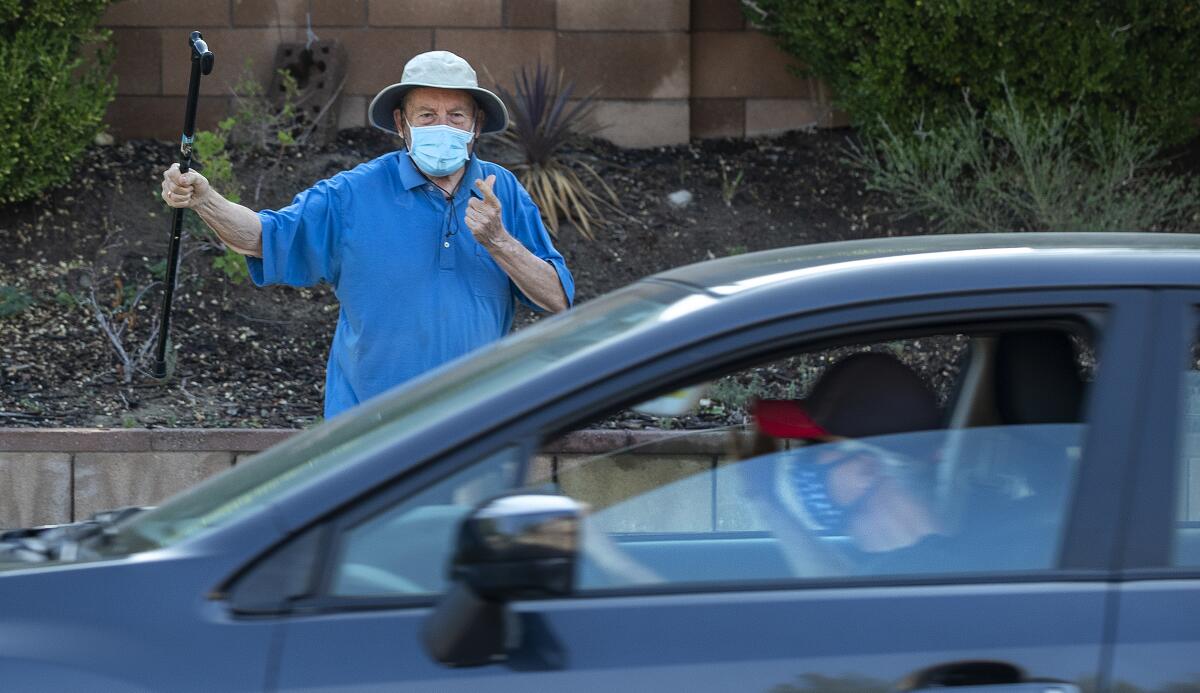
785, 418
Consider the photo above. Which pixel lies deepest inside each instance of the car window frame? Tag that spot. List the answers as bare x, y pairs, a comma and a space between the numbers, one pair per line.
1088, 541
1147, 543
1088, 547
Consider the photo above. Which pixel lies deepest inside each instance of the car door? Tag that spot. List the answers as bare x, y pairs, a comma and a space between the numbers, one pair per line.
1156, 633
739, 622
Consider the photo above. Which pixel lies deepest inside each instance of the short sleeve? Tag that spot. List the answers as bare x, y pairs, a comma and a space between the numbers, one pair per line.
527, 226
301, 242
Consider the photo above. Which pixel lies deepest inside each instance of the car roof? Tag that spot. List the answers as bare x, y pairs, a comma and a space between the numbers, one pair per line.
906, 264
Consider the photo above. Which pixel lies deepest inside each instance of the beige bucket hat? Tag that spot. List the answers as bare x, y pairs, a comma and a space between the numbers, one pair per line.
443, 70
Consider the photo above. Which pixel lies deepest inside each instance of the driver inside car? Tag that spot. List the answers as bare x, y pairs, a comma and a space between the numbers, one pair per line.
853, 493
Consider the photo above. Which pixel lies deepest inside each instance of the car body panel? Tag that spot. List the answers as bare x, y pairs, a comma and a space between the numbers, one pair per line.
140, 624
749, 641
1156, 635
1156, 632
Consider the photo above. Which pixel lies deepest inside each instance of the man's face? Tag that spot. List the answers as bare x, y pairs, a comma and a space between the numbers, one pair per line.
430, 106
851, 477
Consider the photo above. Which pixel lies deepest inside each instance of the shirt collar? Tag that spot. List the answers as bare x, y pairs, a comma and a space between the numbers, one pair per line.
473, 173
410, 177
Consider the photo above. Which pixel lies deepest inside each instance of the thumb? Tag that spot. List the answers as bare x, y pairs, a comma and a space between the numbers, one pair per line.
193, 178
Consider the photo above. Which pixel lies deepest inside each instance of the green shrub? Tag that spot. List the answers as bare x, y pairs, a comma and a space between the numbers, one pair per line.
260, 124
51, 99
13, 301
1022, 168
255, 126
211, 152
893, 62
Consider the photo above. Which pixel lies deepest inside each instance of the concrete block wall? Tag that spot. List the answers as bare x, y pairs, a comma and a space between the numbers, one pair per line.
663, 70
741, 82
667, 482
50, 476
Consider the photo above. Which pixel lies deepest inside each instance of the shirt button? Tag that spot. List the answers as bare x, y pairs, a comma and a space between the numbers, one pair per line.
446, 244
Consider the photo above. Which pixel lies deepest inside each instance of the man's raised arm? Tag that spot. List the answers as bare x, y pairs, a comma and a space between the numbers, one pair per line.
237, 226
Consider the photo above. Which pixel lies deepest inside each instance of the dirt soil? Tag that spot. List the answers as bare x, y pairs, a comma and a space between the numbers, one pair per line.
255, 357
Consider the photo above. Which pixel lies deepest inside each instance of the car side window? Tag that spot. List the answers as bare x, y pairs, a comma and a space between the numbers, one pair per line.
758, 476
404, 549
951, 452
1187, 517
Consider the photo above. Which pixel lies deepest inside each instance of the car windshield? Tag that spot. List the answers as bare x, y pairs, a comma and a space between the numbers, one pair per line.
438, 396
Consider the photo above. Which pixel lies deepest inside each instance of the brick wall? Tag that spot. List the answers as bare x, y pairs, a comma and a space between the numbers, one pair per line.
665, 70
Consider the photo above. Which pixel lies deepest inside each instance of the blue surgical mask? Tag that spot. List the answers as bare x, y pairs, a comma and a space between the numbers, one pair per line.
438, 150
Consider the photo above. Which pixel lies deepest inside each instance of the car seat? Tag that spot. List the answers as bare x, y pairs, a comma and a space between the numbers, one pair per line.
1015, 501
1038, 381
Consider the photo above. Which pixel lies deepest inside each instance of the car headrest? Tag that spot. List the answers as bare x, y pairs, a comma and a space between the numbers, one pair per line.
1037, 379
872, 394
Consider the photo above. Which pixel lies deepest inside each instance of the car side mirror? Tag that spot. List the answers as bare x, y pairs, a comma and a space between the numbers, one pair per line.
677, 403
511, 547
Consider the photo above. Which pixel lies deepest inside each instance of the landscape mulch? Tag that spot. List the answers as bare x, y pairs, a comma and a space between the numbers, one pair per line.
255, 357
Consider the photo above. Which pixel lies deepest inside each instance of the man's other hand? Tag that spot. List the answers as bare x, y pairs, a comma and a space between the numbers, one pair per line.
483, 216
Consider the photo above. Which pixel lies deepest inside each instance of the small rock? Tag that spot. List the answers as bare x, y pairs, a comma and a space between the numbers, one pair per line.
104, 139
680, 198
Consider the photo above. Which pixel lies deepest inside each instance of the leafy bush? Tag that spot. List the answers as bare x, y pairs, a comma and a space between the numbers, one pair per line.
211, 155
893, 62
268, 126
259, 126
544, 123
211, 152
1031, 169
13, 301
51, 99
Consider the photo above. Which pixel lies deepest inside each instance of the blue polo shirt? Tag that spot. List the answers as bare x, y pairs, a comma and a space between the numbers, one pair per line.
415, 287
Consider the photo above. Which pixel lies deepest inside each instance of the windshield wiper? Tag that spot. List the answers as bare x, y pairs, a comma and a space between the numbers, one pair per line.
60, 542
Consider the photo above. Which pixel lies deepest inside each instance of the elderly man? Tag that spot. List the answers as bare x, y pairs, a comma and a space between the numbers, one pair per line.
425, 247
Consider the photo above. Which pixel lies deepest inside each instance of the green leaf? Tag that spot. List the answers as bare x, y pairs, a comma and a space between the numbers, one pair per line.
14, 301
51, 104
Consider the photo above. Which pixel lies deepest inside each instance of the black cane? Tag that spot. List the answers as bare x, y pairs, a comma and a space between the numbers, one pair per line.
202, 64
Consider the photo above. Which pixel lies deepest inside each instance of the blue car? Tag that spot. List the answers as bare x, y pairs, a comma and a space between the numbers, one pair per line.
887, 465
